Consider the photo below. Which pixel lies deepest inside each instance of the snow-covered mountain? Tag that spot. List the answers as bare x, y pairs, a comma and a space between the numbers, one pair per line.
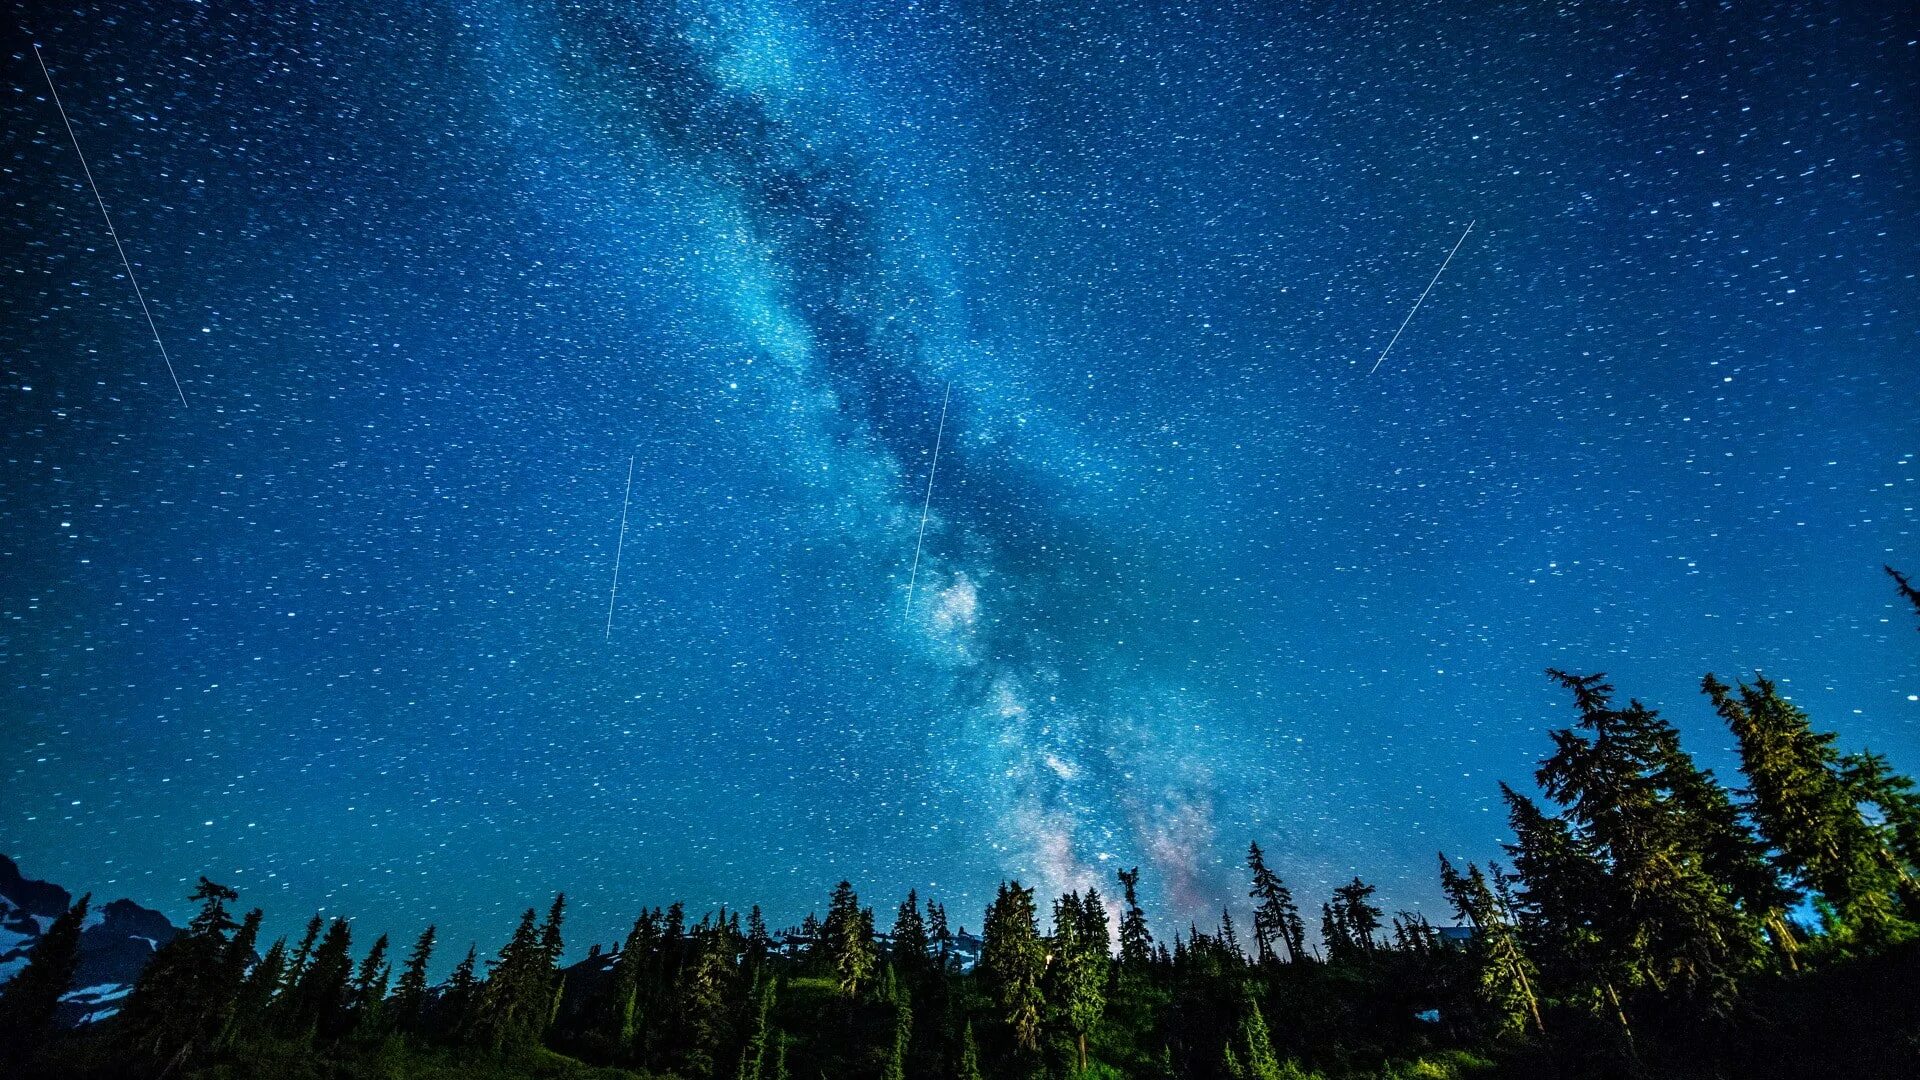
115, 944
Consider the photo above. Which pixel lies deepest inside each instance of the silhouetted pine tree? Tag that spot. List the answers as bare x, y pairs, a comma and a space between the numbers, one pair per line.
410, 995
320, 1001
1014, 959
303, 953
1230, 939
180, 1002
759, 942
940, 935
909, 949
893, 992
1277, 927
1350, 922
551, 949
253, 1006
516, 996
1905, 586
703, 1024
762, 1036
28, 1001
1136, 941
368, 997
458, 1011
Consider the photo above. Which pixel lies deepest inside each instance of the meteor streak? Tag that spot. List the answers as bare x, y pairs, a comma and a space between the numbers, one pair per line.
111, 231
927, 505
1423, 296
619, 546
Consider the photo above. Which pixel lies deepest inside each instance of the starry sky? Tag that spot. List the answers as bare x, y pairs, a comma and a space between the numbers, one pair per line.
432, 276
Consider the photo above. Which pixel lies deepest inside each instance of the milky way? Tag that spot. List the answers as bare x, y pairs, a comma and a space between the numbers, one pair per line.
336, 635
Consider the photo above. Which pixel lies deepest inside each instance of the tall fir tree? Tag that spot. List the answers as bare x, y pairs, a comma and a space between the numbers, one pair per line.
1014, 960
1660, 917
759, 941
253, 1005
368, 998
1136, 941
410, 994
515, 999
303, 952
321, 1000
459, 1005
1077, 976
704, 1024
969, 1055
1254, 1058
29, 1000
1807, 810
1505, 978
1277, 928
910, 946
940, 935
180, 1003
847, 937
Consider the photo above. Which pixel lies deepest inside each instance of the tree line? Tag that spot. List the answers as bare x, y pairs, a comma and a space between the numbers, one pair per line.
1647, 920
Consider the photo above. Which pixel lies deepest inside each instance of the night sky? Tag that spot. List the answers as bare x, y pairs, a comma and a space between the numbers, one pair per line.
335, 633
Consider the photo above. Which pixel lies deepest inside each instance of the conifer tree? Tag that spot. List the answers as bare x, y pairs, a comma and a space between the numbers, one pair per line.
703, 1015
551, 945
252, 1007
1659, 917
551, 949
1077, 976
1014, 961
180, 1002
753, 1057
1276, 918
1901, 582
1807, 810
1095, 929
1351, 922
368, 996
1870, 781
28, 1000
759, 942
303, 953
1136, 942
236, 960
910, 935
321, 1000
969, 1055
1506, 977
897, 997
514, 1001
410, 996
939, 934
460, 1004
636, 955
847, 937
1230, 938
1255, 1059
